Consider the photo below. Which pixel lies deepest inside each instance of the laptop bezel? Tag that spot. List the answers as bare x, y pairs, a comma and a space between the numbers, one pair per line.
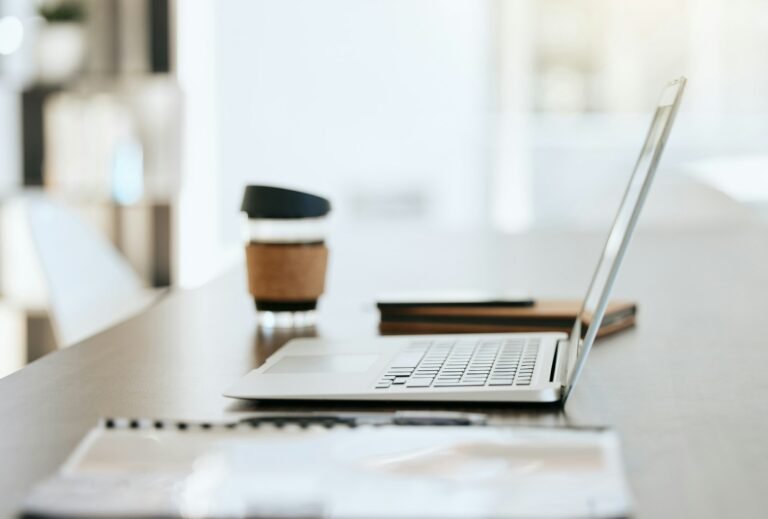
578, 349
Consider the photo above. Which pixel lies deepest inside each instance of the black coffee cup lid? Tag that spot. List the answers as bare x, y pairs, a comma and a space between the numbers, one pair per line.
278, 202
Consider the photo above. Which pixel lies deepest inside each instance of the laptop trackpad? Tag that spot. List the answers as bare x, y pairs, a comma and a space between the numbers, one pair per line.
323, 364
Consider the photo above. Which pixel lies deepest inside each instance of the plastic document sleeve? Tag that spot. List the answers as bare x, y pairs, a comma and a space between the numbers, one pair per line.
336, 468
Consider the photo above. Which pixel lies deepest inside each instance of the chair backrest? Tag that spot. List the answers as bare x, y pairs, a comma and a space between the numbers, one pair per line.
90, 285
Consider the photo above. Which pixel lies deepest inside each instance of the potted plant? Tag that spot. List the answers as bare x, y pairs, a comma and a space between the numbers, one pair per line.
61, 40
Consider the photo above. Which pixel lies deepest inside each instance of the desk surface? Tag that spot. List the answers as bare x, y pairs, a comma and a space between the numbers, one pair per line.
685, 388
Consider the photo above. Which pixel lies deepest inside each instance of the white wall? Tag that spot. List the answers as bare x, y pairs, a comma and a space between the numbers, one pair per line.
15, 70
510, 113
380, 104
10, 141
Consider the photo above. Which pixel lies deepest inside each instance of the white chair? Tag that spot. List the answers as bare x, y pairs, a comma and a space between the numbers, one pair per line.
90, 286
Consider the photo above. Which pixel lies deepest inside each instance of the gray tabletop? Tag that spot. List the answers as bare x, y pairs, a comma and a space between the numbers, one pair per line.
685, 388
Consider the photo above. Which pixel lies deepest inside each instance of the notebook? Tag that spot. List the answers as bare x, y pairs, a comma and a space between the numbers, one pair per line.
546, 315
367, 466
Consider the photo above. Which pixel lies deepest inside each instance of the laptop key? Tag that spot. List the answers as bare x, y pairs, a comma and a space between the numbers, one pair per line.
419, 382
406, 360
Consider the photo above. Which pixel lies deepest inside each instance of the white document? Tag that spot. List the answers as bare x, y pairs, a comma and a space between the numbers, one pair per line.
342, 472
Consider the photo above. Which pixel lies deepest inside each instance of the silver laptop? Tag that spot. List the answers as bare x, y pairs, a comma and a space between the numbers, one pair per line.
518, 367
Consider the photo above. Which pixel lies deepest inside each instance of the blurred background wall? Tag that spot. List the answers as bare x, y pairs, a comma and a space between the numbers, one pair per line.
147, 117
504, 113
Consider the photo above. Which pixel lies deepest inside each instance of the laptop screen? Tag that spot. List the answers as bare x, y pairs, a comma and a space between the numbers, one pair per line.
596, 300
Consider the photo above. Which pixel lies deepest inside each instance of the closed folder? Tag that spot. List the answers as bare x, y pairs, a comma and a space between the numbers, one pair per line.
544, 315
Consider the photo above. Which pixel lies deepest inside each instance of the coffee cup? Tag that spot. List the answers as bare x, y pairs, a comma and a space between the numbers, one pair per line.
285, 251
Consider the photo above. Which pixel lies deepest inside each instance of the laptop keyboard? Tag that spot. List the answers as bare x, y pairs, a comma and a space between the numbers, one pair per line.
461, 363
